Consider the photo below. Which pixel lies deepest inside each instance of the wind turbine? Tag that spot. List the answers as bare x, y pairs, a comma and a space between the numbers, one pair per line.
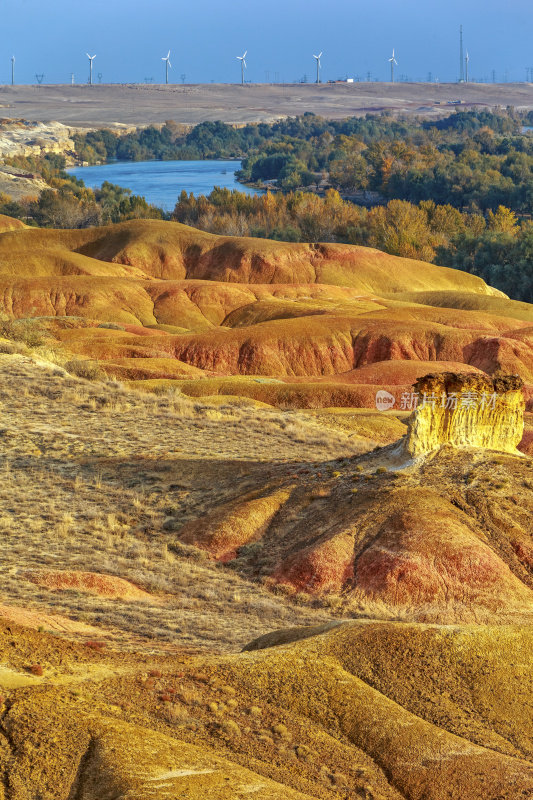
467, 59
242, 59
392, 62
12, 70
167, 65
91, 59
318, 66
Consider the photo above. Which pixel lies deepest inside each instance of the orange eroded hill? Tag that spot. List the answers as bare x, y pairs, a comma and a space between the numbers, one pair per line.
158, 300
171, 251
163, 535
435, 541
333, 711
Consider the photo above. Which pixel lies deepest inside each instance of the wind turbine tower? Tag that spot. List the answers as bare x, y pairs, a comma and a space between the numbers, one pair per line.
318, 66
392, 62
12, 70
242, 59
467, 59
461, 57
91, 59
168, 65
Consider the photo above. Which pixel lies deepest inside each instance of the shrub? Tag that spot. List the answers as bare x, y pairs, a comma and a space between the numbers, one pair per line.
82, 368
188, 696
20, 331
189, 551
111, 326
281, 731
230, 728
10, 348
175, 715
252, 549
303, 752
36, 669
303, 598
339, 779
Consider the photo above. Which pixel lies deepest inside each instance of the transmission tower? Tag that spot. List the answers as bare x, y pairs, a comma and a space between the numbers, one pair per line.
461, 56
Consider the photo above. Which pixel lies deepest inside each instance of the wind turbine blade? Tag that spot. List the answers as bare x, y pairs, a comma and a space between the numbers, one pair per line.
320, 54
244, 63
170, 65
244, 54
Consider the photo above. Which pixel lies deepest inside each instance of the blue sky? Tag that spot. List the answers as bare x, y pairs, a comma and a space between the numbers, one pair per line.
205, 36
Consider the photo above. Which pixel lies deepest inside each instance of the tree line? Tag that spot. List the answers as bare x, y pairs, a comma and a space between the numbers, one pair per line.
473, 160
498, 246
455, 191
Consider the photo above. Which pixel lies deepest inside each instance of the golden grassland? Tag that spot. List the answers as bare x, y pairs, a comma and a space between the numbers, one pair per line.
96, 475
183, 476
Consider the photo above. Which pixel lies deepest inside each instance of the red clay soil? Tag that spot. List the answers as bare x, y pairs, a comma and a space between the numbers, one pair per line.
381, 539
107, 586
53, 622
148, 290
436, 559
323, 567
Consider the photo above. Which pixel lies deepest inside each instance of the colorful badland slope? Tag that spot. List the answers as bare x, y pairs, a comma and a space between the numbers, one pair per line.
340, 712
324, 324
424, 693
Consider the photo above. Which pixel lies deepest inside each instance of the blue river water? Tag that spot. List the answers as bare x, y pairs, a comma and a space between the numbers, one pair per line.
161, 182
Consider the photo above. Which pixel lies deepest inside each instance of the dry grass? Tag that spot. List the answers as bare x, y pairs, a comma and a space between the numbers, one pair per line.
95, 477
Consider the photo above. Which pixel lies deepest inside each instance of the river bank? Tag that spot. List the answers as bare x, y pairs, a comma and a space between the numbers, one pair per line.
161, 182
